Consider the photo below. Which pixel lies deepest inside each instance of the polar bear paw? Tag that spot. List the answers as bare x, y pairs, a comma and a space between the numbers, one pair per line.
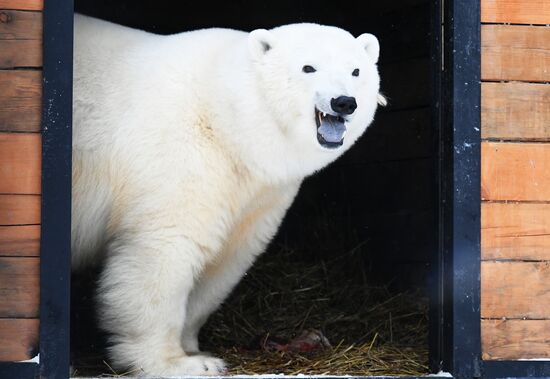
196, 365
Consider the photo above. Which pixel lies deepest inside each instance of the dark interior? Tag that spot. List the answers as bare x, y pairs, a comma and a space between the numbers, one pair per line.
379, 199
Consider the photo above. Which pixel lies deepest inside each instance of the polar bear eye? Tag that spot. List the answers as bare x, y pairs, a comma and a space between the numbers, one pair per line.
355, 72
308, 69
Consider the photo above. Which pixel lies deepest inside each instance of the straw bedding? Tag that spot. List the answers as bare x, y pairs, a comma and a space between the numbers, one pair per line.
371, 330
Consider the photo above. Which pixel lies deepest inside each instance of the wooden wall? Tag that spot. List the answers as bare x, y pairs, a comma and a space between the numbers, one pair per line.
515, 235
20, 172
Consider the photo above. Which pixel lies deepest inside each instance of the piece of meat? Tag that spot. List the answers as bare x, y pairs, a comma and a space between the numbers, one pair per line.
309, 340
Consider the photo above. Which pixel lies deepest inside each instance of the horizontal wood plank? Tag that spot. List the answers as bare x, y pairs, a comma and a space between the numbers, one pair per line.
512, 52
20, 240
28, 5
19, 210
516, 11
19, 339
515, 111
515, 290
515, 339
19, 25
518, 231
515, 171
20, 163
20, 39
20, 53
19, 287
20, 100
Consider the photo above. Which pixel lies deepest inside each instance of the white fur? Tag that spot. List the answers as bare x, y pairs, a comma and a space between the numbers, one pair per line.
187, 151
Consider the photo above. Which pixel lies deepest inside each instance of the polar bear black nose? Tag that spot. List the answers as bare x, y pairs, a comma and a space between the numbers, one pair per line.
343, 104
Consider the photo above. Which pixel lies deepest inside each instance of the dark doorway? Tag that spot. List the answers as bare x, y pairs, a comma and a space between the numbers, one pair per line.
362, 233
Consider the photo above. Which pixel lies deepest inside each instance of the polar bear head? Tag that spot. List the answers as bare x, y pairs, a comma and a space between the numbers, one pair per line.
319, 84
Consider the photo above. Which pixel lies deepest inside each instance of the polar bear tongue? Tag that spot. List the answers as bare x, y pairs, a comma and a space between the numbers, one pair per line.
332, 129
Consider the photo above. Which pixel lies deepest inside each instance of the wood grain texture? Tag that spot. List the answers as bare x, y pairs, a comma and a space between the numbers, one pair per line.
519, 231
515, 339
19, 210
18, 25
515, 171
21, 240
20, 53
518, 290
516, 11
515, 111
20, 100
19, 287
19, 339
20, 39
512, 52
29, 5
20, 163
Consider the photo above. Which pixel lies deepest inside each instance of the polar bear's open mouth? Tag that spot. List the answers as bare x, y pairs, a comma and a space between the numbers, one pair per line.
330, 129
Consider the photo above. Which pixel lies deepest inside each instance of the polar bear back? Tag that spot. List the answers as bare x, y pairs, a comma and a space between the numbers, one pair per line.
197, 123
120, 67
137, 97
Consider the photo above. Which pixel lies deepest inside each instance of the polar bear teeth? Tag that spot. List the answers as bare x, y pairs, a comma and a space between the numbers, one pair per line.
320, 116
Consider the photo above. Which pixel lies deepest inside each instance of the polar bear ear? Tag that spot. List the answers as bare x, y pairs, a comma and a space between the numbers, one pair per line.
260, 41
371, 45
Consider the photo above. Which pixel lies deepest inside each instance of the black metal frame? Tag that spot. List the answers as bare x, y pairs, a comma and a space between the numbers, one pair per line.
458, 338
55, 244
435, 277
55, 237
516, 369
18, 370
455, 344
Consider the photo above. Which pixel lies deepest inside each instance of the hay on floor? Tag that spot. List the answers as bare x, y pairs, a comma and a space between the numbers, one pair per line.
372, 331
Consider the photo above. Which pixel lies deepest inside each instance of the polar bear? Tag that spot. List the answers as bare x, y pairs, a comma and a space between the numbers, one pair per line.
187, 151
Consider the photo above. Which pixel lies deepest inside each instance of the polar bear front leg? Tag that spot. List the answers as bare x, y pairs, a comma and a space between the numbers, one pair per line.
248, 240
143, 293
211, 291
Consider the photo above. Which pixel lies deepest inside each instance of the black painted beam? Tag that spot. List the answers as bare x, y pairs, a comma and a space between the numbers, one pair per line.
55, 244
460, 189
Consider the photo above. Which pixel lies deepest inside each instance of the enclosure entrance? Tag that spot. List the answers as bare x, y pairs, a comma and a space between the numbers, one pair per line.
349, 269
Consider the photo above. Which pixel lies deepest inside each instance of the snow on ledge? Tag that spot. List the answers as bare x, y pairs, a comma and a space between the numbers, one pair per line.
36, 359
441, 374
